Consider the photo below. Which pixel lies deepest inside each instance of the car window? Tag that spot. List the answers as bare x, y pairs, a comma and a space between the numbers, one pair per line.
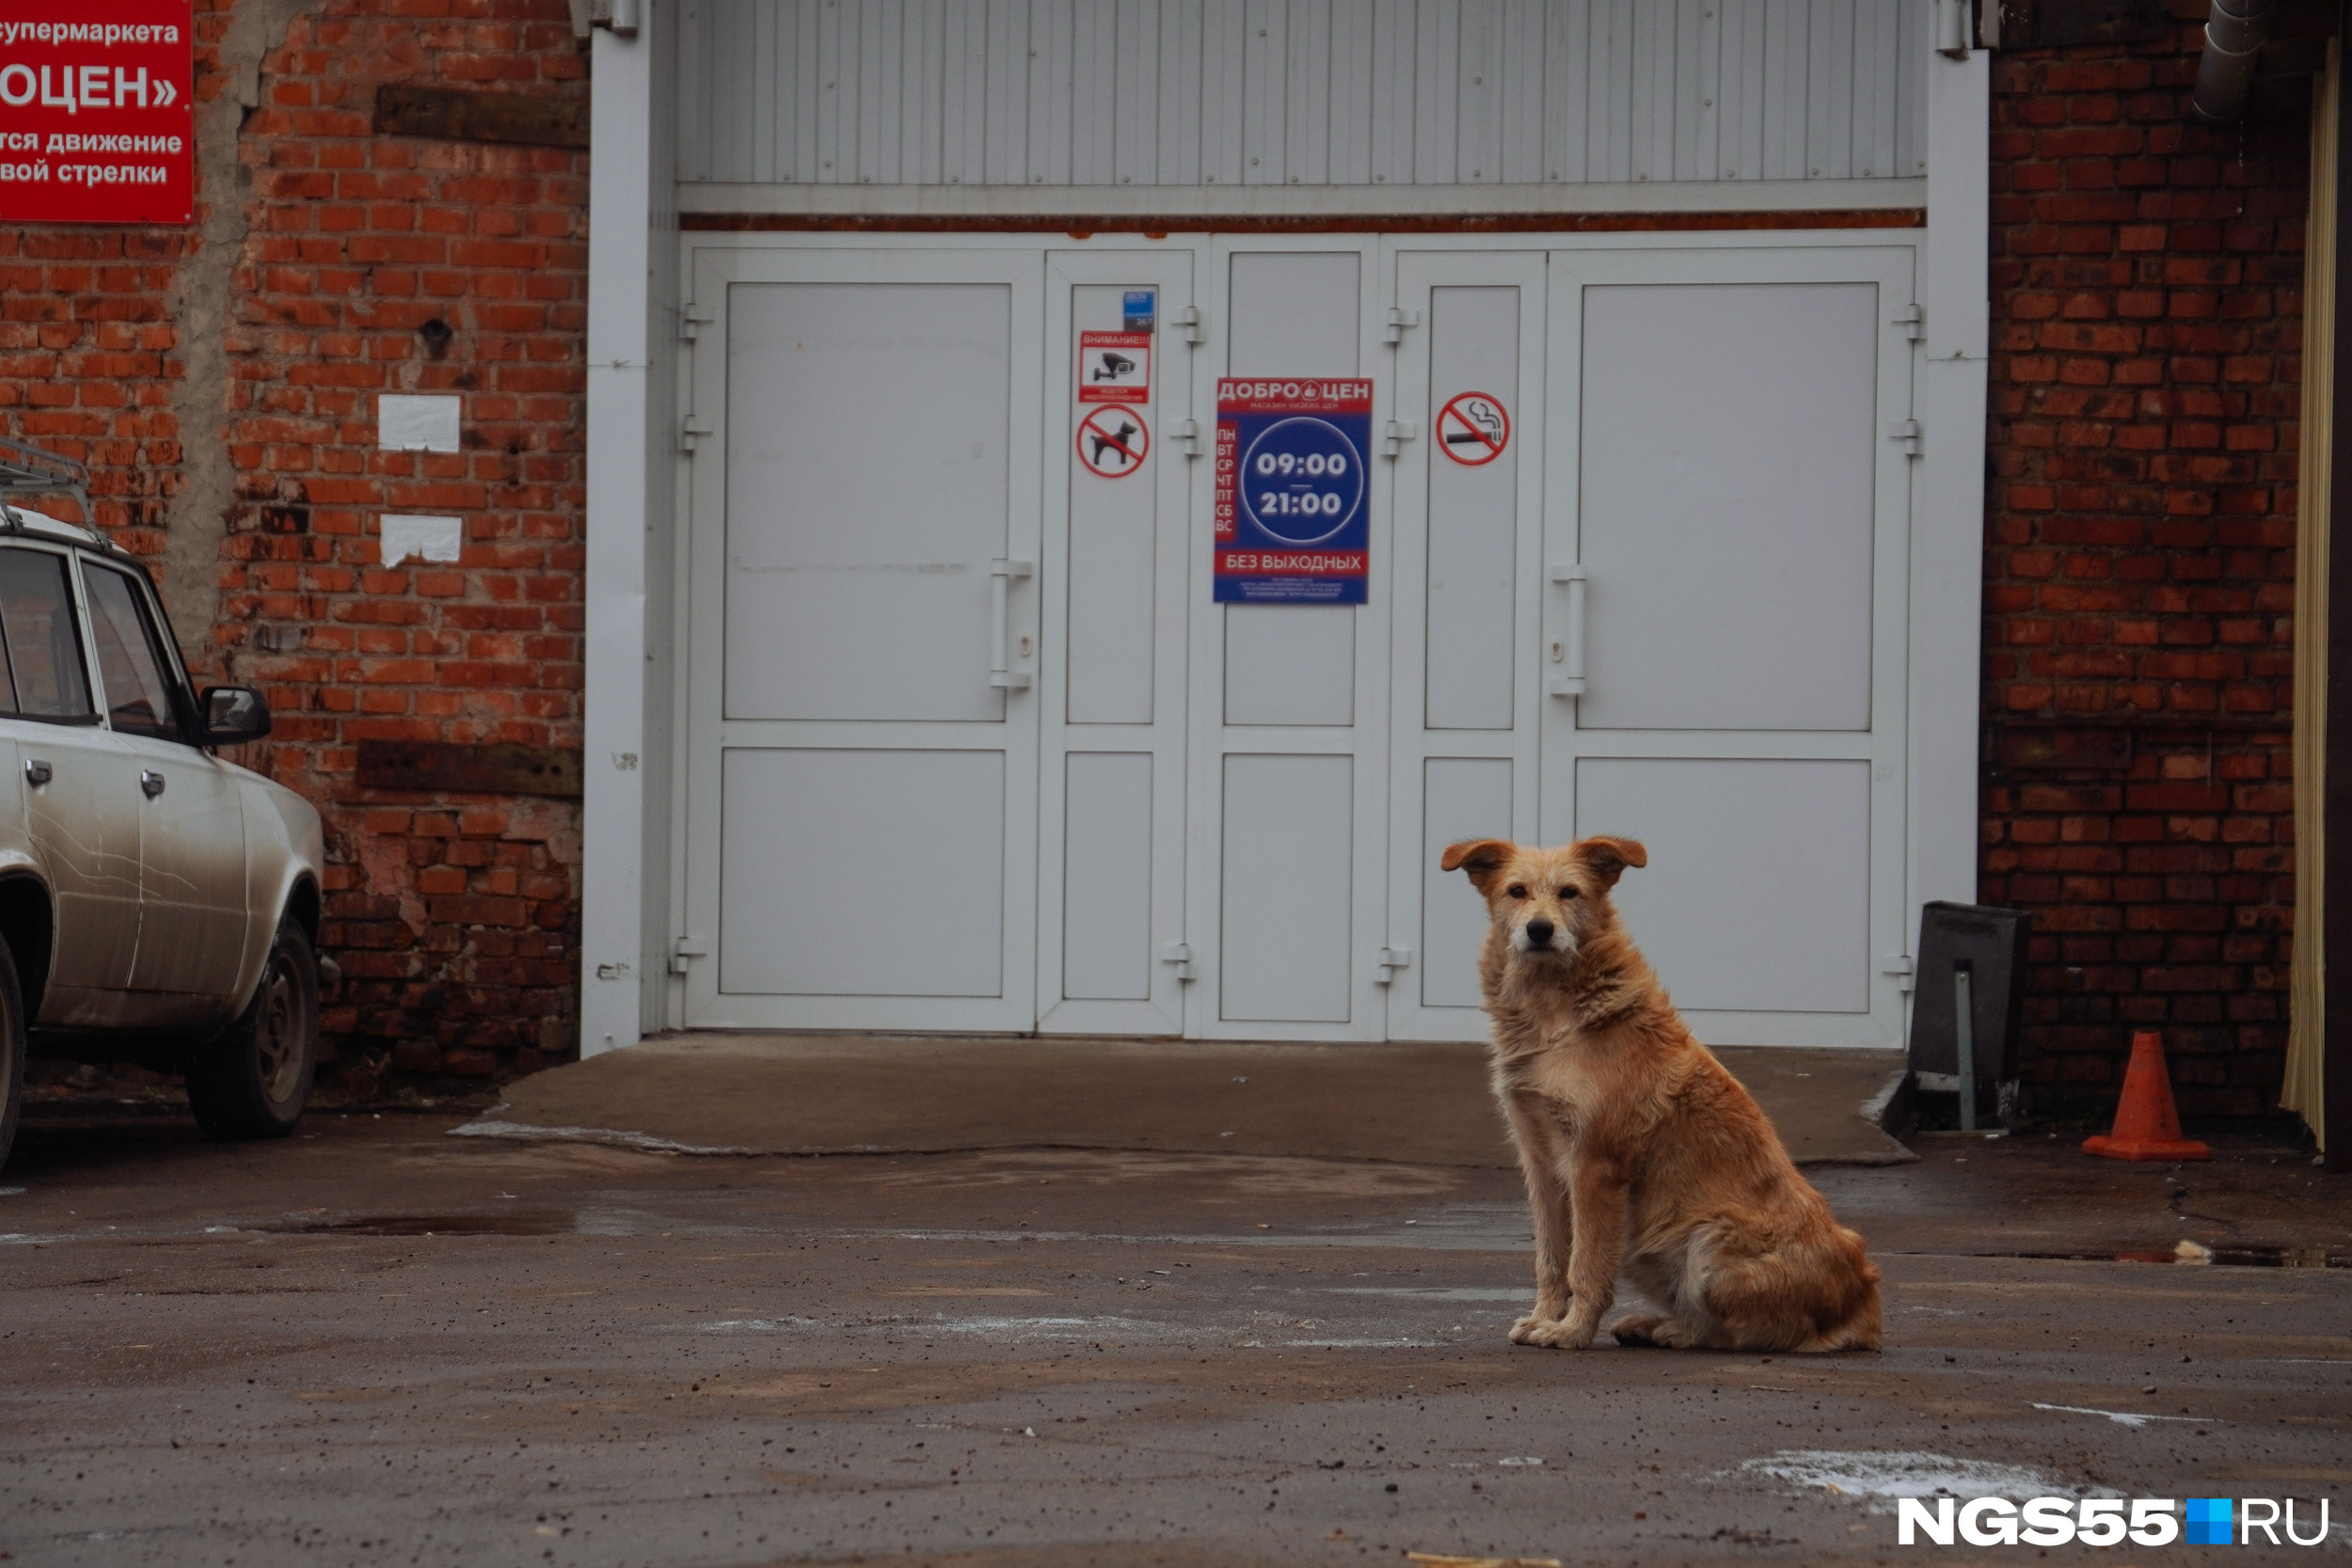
41, 650
138, 695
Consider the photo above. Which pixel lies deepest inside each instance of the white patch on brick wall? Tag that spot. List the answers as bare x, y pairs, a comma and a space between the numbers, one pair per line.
407, 534
416, 421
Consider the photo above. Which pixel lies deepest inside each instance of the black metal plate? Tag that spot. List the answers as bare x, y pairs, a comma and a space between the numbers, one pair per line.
1991, 942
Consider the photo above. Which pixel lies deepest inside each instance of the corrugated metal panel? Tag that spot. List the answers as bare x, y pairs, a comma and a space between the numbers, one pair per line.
1135, 77
1391, 83
1310, 92
1178, 154
1222, 25
1522, 108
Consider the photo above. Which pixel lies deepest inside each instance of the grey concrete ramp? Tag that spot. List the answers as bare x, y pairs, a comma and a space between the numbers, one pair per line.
852, 1094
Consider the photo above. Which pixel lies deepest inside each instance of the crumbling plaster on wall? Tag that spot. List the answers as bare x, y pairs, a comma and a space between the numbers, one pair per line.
202, 288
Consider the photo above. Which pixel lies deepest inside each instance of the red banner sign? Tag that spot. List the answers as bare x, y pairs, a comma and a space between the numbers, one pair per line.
97, 111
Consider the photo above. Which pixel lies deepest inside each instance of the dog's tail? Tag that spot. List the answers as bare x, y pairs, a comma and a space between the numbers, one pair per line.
1818, 1293
1847, 1316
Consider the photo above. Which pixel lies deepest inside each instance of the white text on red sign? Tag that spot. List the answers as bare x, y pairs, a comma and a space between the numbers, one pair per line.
99, 111
1114, 367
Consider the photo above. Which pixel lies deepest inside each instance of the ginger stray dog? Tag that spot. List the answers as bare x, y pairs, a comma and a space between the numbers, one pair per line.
1641, 1152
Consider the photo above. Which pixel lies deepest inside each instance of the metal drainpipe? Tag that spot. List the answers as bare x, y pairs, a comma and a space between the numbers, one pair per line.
2235, 32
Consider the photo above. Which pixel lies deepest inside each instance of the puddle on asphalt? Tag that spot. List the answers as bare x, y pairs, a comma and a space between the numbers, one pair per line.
1017, 1330
1222, 1179
1504, 1231
1457, 1232
1355, 1344
2197, 1254
427, 1225
1437, 1293
1466, 1229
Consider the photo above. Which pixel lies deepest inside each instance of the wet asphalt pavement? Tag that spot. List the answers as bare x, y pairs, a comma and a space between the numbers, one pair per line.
380, 1343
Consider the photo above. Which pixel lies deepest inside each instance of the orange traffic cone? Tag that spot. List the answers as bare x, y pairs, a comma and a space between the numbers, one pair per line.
2147, 1127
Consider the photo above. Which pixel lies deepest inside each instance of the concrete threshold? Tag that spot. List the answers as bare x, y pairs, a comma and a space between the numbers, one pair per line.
1425, 1104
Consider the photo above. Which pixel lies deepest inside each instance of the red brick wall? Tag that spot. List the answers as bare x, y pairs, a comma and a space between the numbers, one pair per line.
2147, 275
455, 918
86, 359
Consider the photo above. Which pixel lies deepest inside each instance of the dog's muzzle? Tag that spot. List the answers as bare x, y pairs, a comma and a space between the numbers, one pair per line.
1542, 936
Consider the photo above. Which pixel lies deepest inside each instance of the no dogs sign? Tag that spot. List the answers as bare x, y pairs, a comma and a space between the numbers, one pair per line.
1113, 440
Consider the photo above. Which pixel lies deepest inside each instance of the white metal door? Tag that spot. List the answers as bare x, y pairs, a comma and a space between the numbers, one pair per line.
1467, 574
1112, 671
1698, 515
862, 785
1724, 620
1288, 764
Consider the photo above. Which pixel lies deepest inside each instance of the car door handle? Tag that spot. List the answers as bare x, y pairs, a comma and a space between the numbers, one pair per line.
37, 772
152, 782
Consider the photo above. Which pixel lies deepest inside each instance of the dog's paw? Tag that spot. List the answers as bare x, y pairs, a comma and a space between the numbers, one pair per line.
1538, 1318
1554, 1333
1654, 1329
1641, 1329
1523, 1331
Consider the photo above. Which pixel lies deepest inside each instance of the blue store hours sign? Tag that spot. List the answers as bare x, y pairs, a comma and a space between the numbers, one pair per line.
1291, 520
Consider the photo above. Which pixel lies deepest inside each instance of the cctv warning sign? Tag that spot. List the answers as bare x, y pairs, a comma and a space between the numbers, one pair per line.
1114, 367
97, 111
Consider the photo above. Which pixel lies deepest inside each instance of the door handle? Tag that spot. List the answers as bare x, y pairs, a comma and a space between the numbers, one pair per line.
1568, 651
37, 772
1000, 579
151, 782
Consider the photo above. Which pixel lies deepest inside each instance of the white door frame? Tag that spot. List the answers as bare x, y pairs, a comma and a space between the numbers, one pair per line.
1944, 638
1364, 740
1172, 474
709, 733
1885, 744
1410, 273
633, 469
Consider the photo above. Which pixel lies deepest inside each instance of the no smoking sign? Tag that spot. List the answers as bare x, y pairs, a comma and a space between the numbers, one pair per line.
1473, 428
1112, 440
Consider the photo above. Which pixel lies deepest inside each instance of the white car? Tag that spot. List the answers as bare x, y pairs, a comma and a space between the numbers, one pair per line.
156, 902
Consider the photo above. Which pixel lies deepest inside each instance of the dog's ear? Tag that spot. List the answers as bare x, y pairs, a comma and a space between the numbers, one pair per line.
1608, 857
1482, 858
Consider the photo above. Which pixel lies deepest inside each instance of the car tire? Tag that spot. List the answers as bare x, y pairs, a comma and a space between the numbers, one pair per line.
11, 1049
254, 1080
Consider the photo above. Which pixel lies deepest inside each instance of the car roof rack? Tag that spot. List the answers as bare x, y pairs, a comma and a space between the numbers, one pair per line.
29, 471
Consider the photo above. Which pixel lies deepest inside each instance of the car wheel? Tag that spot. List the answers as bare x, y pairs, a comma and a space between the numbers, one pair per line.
11, 1049
255, 1079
